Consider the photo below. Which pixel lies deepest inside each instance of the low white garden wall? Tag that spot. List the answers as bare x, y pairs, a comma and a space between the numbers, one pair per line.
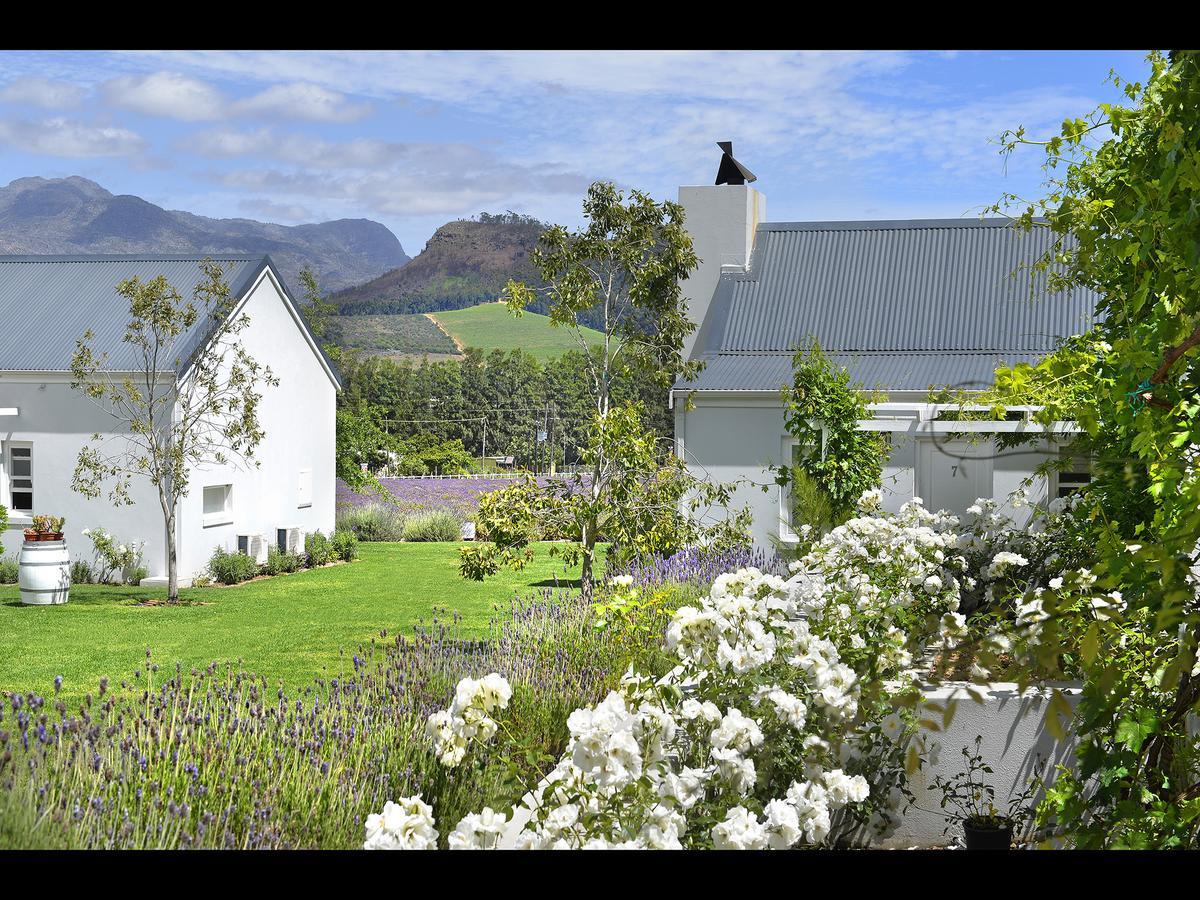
1014, 734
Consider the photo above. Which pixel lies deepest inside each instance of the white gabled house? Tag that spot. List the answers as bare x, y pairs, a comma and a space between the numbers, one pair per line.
48, 302
905, 306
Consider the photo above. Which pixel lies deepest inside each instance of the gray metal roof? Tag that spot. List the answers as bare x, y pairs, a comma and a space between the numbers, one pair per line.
48, 302
905, 305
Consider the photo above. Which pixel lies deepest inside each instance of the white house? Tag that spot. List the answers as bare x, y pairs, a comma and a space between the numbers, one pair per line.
905, 306
48, 302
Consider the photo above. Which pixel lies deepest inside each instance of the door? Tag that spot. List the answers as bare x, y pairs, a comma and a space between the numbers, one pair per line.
955, 473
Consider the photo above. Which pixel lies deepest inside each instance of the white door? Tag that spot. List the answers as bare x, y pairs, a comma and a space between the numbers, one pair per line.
955, 473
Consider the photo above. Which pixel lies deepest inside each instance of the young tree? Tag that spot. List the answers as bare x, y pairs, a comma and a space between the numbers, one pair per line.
627, 264
178, 413
623, 270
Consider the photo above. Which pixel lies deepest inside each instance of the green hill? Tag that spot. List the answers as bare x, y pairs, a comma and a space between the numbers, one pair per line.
490, 326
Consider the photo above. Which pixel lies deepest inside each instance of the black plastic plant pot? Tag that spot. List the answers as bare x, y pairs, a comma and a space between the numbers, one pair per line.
987, 837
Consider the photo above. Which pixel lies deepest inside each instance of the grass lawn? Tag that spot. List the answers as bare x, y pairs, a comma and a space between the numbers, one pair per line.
490, 326
289, 628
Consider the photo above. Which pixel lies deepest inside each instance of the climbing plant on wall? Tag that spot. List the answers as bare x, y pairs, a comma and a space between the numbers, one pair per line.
822, 407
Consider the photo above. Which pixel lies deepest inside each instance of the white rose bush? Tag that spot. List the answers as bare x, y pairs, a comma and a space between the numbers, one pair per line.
768, 731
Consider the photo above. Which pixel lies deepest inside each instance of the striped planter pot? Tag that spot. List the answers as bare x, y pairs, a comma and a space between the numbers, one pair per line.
44, 573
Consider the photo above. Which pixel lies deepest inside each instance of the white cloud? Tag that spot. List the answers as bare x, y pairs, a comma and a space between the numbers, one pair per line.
176, 96
36, 91
302, 101
166, 94
63, 137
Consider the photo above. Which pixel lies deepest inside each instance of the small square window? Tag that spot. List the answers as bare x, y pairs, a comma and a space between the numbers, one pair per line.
218, 504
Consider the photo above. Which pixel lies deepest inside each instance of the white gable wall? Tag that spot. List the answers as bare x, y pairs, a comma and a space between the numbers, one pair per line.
298, 417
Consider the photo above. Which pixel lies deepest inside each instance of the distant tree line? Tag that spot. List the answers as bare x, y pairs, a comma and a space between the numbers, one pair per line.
506, 398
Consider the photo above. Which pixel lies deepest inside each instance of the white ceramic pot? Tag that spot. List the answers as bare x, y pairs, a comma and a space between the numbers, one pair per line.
44, 573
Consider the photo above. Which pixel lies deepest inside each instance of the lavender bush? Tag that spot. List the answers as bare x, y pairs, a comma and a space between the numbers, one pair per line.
218, 758
696, 567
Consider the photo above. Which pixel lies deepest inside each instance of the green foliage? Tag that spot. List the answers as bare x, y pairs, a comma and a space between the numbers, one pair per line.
628, 263
9, 570
969, 798
373, 522
231, 568
280, 562
437, 525
634, 495
175, 423
81, 572
318, 549
111, 555
1124, 210
822, 408
344, 544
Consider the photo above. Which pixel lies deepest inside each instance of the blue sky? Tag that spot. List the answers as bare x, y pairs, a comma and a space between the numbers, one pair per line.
414, 139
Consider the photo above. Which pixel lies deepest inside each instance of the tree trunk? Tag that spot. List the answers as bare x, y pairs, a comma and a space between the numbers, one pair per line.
586, 587
172, 562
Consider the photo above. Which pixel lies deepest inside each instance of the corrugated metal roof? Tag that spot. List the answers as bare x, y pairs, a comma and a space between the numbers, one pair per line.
890, 371
48, 302
910, 304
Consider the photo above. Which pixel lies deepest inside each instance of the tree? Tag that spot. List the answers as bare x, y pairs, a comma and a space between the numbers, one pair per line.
627, 264
178, 413
642, 501
1123, 204
623, 269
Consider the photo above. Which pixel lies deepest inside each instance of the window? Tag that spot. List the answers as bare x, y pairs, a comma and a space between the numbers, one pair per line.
1073, 476
20, 477
304, 491
218, 504
791, 499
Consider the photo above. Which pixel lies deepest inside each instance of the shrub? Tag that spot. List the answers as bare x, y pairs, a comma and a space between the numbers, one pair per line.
319, 549
136, 575
345, 545
81, 572
231, 568
111, 555
438, 525
9, 570
373, 522
281, 563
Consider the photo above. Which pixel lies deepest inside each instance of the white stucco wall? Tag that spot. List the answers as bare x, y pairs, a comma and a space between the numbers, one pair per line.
298, 417
1015, 743
58, 422
730, 436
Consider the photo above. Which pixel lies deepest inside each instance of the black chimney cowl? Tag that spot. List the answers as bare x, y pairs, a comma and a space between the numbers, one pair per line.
732, 171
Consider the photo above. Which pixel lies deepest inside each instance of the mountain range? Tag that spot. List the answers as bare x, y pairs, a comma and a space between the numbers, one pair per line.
76, 215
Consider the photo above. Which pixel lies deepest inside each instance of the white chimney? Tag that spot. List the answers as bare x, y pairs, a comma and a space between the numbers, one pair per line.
721, 219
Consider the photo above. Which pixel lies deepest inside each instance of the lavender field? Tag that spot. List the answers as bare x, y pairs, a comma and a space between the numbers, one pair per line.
457, 496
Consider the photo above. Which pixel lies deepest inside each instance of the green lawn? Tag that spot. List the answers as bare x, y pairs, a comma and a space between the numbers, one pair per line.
491, 326
289, 628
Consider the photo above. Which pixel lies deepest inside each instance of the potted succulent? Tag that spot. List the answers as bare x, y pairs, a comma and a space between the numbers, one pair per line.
46, 528
969, 800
